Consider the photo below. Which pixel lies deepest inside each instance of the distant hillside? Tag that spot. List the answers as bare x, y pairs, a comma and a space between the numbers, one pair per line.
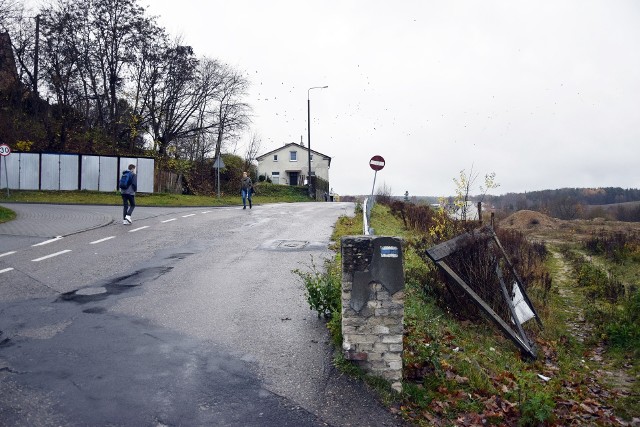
584, 196
566, 203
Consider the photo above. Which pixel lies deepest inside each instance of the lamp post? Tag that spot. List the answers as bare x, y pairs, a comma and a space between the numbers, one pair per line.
309, 132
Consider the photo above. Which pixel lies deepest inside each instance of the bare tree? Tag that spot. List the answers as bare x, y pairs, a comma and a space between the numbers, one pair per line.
145, 75
109, 33
21, 26
106, 63
464, 183
9, 10
204, 121
231, 113
60, 62
383, 194
175, 96
252, 150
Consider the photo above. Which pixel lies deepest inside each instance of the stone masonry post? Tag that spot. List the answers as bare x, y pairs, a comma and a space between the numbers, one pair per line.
373, 305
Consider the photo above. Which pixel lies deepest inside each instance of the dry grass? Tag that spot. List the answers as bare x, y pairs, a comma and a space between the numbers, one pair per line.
537, 225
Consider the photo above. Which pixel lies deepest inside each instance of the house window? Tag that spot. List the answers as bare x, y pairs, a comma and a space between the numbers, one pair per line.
275, 157
275, 177
293, 156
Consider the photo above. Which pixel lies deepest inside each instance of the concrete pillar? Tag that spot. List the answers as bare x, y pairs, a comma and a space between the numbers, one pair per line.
373, 305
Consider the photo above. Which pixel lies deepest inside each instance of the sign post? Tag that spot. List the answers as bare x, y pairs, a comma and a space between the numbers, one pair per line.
376, 163
5, 150
217, 165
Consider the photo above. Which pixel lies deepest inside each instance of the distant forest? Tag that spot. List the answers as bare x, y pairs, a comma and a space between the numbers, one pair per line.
612, 203
573, 203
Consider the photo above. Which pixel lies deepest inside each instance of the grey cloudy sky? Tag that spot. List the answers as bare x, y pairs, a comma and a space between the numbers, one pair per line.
546, 94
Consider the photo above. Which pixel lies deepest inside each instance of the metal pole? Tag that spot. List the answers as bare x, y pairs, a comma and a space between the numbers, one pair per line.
218, 175
6, 174
374, 184
309, 139
36, 59
309, 132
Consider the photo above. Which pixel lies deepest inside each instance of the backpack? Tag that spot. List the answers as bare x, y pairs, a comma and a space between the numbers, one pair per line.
125, 180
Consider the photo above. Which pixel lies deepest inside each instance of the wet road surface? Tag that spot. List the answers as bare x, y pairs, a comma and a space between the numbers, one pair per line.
187, 317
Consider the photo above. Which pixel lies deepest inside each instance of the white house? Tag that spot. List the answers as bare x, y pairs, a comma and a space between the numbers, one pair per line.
289, 165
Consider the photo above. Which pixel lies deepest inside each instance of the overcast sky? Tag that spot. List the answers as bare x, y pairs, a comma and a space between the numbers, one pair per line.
546, 94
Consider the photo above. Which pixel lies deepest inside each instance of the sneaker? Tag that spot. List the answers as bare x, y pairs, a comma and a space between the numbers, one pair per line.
124, 221
128, 219
244, 207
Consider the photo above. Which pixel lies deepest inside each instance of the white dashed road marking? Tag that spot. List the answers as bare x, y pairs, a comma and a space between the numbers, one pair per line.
51, 256
6, 270
91, 243
102, 240
48, 241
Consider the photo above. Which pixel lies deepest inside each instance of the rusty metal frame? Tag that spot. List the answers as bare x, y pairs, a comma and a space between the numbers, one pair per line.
437, 254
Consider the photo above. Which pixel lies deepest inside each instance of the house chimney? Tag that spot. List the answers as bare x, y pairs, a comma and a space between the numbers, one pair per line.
301, 141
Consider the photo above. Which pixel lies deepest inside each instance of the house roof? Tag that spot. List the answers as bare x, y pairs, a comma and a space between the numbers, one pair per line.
292, 144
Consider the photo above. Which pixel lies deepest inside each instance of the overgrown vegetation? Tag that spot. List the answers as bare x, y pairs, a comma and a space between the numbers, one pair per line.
613, 306
322, 289
459, 371
618, 247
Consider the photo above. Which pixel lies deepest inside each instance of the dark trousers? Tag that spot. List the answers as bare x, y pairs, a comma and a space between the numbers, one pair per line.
128, 203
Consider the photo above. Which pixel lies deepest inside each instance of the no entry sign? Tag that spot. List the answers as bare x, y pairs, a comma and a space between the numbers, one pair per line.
376, 163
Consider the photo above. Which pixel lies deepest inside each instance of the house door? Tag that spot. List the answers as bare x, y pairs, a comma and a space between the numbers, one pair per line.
293, 178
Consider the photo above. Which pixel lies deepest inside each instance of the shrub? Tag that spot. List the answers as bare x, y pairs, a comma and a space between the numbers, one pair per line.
536, 409
618, 247
625, 332
323, 290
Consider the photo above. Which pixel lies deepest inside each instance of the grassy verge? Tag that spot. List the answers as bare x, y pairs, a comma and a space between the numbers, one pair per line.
266, 193
6, 214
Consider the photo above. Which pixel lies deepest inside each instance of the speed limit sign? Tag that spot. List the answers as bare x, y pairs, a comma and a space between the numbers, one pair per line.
5, 150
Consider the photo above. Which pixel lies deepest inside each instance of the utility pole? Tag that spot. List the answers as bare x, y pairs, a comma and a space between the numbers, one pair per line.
36, 56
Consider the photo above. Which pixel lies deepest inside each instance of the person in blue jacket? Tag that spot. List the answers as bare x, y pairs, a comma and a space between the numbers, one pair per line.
129, 195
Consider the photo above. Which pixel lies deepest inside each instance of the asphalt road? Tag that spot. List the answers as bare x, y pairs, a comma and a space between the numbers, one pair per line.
189, 316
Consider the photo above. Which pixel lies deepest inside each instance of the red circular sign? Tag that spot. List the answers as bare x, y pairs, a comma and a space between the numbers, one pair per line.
5, 150
376, 163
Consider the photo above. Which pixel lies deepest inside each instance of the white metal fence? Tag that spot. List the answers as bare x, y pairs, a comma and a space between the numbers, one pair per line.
42, 171
367, 207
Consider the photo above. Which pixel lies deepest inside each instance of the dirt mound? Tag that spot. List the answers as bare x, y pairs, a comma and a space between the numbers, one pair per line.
529, 220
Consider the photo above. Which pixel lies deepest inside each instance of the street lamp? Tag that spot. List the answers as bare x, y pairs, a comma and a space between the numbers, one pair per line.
309, 132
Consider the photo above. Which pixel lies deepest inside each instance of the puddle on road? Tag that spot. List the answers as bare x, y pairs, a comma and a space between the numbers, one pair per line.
115, 287
119, 285
95, 310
